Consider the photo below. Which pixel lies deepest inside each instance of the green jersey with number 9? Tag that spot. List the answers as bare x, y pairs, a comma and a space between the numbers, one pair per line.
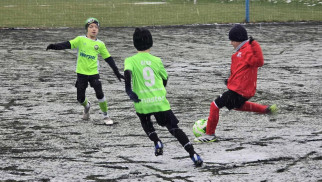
148, 74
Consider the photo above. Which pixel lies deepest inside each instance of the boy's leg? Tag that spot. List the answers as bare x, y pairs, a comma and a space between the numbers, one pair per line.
229, 99
172, 125
148, 128
211, 125
212, 119
97, 85
253, 107
103, 104
81, 85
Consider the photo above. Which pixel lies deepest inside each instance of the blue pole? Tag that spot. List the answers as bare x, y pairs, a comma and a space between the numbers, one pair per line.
247, 11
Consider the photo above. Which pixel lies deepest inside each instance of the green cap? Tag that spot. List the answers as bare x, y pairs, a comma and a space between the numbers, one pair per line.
90, 21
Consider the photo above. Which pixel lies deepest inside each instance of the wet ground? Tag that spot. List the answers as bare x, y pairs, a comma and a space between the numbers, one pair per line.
42, 136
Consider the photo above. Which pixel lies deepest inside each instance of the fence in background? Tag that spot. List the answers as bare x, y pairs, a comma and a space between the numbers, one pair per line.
72, 13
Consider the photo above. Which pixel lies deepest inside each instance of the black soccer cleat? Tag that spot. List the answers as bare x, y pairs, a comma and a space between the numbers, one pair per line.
196, 160
158, 149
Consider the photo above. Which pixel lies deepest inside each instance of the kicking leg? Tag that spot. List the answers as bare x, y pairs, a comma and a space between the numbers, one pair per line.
253, 107
148, 128
172, 126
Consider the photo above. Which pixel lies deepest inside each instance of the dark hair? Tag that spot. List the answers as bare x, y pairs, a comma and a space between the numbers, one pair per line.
142, 39
238, 33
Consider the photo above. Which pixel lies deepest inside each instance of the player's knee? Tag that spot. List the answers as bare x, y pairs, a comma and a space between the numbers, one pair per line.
175, 131
81, 99
96, 83
219, 101
100, 96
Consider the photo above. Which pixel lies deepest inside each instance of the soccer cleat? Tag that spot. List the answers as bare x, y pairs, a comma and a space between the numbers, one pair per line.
272, 109
158, 148
206, 138
86, 111
196, 160
107, 119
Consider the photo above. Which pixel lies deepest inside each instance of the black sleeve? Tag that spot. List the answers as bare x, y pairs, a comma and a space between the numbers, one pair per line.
110, 61
61, 46
165, 82
127, 76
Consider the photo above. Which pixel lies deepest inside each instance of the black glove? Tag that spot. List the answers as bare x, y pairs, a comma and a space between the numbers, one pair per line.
119, 76
251, 39
51, 46
133, 96
226, 81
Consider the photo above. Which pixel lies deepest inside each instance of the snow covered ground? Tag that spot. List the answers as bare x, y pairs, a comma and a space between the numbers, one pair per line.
42, 136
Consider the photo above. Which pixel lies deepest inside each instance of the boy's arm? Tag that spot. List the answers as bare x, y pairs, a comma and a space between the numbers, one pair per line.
257, 58
165, 82
164, 74
59, 46
112, 64
128, 88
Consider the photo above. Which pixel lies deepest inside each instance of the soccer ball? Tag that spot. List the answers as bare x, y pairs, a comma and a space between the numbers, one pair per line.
199, 128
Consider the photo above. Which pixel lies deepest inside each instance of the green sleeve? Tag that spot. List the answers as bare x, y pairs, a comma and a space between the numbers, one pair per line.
128, 65
163, 72
104, 52
74, 43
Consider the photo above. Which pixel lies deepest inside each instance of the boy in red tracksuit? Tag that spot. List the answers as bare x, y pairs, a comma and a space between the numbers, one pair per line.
241, 83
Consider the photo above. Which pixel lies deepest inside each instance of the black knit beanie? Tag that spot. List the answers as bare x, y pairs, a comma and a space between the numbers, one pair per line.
142, 39
238, 33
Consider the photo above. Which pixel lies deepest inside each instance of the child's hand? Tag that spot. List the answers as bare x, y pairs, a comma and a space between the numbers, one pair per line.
134, 97
50, 46
119, 76
251, 39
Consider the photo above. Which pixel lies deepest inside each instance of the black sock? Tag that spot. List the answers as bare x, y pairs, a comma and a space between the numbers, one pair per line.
183, 140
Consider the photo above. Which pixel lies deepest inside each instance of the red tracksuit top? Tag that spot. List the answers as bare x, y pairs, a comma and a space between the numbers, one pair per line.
243, 69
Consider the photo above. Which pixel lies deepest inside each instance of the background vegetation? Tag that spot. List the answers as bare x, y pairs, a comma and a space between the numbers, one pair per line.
119, 13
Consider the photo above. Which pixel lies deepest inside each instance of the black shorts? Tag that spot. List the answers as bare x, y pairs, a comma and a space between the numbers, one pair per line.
231, 100
163, 118
82, 84
82, 81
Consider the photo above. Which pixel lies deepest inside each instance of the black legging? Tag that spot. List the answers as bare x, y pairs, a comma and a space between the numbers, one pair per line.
82, 84
169, 120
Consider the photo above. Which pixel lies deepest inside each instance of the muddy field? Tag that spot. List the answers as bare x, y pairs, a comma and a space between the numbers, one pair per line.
42, 136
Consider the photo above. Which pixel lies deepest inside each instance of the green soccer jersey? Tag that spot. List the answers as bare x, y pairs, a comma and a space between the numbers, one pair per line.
147, 81
87, 56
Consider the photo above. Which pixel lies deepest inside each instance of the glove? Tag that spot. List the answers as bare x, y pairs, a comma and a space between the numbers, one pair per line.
50, 46
226, 81
251, 39
119, 76
133, 96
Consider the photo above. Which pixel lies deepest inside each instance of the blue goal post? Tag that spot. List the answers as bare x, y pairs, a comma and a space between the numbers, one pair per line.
247, 11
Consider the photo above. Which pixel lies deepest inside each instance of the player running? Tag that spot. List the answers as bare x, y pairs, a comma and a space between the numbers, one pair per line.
241, 84
87, 69
148, 76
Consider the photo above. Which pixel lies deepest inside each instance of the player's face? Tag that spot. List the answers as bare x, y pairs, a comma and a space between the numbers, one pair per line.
234, 44
92, 30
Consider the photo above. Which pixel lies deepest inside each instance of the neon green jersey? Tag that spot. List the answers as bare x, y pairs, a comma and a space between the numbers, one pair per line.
147, 82
87, 56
